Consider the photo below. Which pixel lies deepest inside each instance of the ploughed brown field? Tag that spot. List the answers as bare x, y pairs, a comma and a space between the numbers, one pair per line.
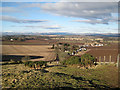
105, 51
43, 52
30, 42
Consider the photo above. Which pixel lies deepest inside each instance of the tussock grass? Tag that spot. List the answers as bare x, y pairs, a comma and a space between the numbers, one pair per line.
58, 76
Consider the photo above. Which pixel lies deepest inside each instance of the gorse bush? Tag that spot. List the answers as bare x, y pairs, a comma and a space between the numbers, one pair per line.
87, 59
26, 58
53, 46
35, 64
14, 62
72, 60
84, 60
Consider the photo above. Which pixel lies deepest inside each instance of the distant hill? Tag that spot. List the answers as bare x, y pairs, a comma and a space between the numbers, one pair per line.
105, 35
62, 33
31, 33
57, 33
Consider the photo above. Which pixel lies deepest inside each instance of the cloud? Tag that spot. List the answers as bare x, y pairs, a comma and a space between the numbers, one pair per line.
98, 21
9, 9
52, 27
88, 10
44, 27
15, 20
32, 5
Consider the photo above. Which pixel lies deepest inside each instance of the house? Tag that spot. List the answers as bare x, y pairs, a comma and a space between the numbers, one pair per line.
100, 39
82, 49
66, 51
11, 40
98, 44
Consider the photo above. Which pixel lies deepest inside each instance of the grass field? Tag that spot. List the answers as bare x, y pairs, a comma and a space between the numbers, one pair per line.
58, 76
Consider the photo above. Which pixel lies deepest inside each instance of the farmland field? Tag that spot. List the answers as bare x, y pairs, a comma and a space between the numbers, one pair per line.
29, 42
107, 51
30, 50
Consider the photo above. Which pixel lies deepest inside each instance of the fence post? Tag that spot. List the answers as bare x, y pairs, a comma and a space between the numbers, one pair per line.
118, 60
110, 59
104, 59
100, 60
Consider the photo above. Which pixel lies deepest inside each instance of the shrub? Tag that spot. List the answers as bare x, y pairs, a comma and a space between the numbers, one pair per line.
62, 55
84, 60
12, 61
24, 59
19, 62
66, 44
27, 63
35, 64
72, 60
53, 46
15, 62
87, 59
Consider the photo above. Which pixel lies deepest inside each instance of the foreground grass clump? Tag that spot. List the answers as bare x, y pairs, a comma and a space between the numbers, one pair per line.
59, 76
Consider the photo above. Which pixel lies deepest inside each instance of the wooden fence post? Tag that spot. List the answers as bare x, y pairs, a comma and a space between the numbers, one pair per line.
100, 59
118, 60
104, 59
110, 59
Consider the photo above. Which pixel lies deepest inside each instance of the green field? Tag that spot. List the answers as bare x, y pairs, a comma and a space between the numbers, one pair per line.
58, 76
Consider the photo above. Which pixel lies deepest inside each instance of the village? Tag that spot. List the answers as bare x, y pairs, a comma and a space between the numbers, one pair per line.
75, 48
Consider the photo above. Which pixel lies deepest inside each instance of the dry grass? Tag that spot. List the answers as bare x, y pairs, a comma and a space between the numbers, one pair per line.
19, 76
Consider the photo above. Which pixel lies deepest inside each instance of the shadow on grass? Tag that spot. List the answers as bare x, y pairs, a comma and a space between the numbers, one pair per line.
83, 79
11, 63
54, 66
63, 88
18, 57
56, 88
42, 70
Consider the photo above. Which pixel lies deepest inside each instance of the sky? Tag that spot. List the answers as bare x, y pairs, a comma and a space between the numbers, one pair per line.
72, 17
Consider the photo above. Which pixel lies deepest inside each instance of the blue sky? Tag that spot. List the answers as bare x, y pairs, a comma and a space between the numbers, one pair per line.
73, 17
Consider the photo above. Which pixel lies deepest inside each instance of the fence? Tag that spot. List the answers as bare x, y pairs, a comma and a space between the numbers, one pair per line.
102, 60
